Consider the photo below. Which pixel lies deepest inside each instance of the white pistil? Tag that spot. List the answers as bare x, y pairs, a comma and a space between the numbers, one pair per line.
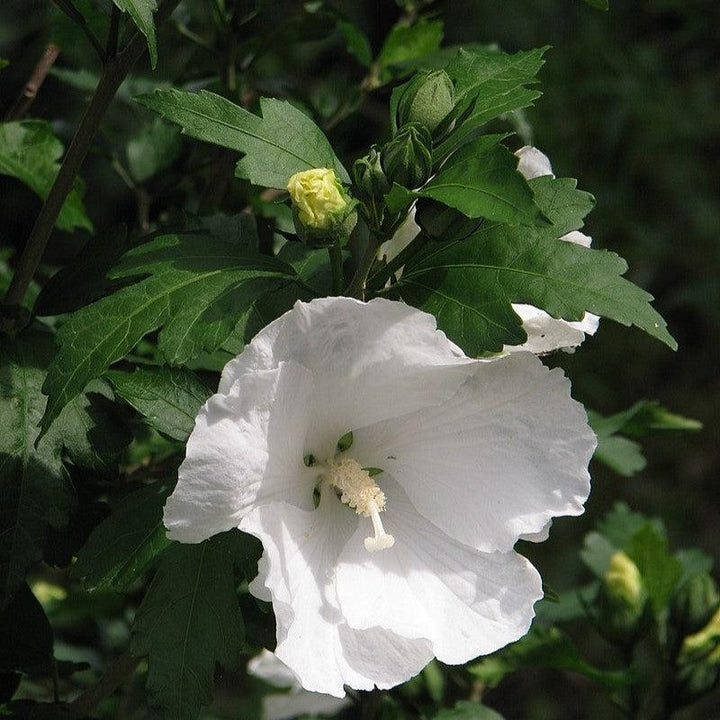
361, 492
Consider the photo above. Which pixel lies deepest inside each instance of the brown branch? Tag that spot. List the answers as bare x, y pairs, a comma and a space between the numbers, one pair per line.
122, 669
111, 78
32, 86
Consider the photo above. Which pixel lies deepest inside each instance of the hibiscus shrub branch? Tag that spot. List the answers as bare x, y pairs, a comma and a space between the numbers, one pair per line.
283, 442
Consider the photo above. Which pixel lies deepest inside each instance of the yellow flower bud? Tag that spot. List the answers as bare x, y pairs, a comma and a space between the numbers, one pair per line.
623, 580
318, 197
703, 642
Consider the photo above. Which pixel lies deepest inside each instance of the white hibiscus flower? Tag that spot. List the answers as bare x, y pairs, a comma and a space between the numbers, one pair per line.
396, 544
294, 702
546, 333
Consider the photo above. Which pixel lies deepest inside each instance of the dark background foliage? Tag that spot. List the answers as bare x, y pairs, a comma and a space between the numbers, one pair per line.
630, 107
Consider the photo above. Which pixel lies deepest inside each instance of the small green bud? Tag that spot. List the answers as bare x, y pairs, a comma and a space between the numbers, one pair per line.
370, 179
322, 210
427, 100
406, 158
690, 682
622, 601
694, 604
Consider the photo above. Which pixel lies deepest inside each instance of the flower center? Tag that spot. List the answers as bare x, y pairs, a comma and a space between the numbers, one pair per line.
360, 492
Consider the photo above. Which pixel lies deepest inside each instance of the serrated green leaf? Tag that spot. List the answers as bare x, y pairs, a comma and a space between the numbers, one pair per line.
596, 553
126, 542
188, 621
487, 84
168, 398
481, 180
408, 42
561, 202
465, 710
36, 491
312, 268
546, 648
141, 12
621, 524
275, 146
31, 153
660, 570
469, 286
195, 289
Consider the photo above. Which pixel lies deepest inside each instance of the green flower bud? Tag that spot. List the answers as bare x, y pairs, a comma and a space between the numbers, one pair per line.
426, 100
691, 682
369, 176
694, 604
322, 210
406, 158
622, 601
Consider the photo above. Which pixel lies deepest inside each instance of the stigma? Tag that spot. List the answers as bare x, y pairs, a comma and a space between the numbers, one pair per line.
358, 490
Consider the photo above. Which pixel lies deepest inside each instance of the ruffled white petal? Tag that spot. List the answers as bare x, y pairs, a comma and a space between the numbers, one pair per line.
314, 641
467, 603
532, 163
546, 333
538, 537
369, 362
269, 668
246, 448
505, 455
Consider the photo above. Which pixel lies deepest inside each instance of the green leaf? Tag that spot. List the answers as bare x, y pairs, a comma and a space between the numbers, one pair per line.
469, 286
152, 149
465, 710
625, 456
31, 153
596, 553
195, 289
562, 203
168, 398
660, 570
188, 621
356, 42
35, 487
481, 180
275, 146
141, 12
4, 63
36, 491
546, 648
488, 83
126, 542
408, 42
313, 270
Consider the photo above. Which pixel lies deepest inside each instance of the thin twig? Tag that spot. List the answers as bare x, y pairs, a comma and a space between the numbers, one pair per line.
113, 74
77, 17
122, 669
32, 86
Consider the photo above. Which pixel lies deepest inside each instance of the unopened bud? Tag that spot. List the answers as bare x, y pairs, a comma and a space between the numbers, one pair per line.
370, 177
704, 643
322, 210
406, 158
426, 100
622, 601
694, 604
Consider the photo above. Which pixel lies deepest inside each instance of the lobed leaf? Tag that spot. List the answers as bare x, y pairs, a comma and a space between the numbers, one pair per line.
195, 288
188, 621
141, 12
30, 152
275, 146
126, 542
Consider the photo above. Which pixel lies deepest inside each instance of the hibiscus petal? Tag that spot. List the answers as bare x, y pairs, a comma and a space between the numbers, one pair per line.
467, 603
546, 333
313, 640
505, 455
369, 361
533, 163
245, 448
